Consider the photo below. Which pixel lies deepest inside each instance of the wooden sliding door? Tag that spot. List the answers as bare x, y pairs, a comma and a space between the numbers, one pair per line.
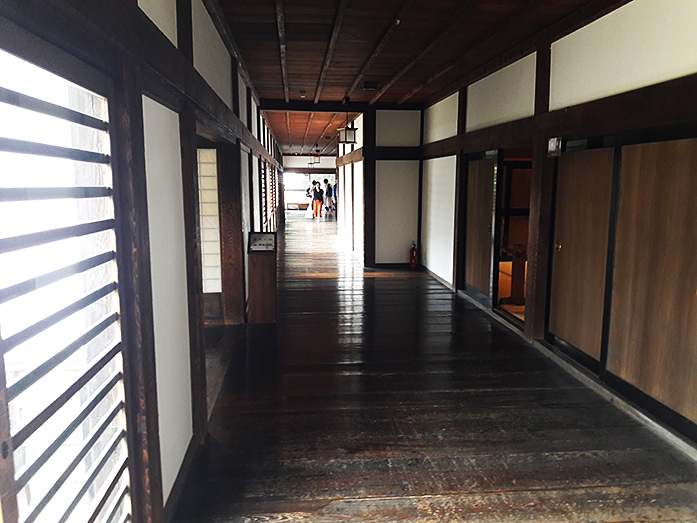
480, 205
584, 185
653, 327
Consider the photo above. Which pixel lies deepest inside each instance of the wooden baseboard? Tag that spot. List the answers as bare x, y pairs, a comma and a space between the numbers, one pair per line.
190, 457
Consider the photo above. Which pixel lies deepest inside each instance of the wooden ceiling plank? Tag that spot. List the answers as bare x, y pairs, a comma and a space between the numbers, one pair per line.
328, 144
432, 42
341, 11
331, 121
378, 48
281, 28
307, 129
290, 136
503, 27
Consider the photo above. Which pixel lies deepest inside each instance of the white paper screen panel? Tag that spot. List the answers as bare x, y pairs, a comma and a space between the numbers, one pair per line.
504, 96
642, 43
211, 57
398, 128
440, 120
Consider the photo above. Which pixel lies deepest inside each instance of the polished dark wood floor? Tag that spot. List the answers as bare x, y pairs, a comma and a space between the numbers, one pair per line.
381, 396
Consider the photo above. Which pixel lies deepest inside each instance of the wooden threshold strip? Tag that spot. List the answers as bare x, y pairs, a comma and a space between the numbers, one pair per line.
39, 238
10, 145
49, 411
53, 193
30, 103
39, 372
32, 284
40, 326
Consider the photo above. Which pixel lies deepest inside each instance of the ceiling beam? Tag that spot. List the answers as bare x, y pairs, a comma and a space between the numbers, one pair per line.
307, 129
503, 27
437, 36
341, 11
328, 144
378, 48
326, 127
281, 28
290, 137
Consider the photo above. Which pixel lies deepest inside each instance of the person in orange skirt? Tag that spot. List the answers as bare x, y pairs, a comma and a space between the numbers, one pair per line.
317, 199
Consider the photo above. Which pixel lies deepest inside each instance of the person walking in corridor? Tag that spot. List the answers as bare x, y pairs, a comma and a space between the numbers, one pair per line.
317, 200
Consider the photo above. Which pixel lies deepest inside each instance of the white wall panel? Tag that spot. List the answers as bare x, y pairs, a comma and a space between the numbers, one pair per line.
642, 43
211, 57
397, 206
243, 99
504, 96
358, 123
440, 120
398, 128
358, 209
164, 16
438, 216
170, 311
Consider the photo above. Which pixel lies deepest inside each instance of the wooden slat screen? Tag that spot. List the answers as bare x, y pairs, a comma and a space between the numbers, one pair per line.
61, 374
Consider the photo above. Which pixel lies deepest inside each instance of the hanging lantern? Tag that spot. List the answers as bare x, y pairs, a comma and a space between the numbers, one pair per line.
347, 134
311, 163
316, 158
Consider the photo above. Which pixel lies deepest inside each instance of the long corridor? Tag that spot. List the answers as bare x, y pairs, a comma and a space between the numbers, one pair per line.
381, 396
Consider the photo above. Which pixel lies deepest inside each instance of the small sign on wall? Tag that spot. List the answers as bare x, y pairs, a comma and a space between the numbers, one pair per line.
553, 147
262, 242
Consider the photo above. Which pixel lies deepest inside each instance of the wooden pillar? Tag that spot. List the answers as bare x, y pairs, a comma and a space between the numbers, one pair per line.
541, 199
133, 254
369, 185
187, 131
231, 241
185, 31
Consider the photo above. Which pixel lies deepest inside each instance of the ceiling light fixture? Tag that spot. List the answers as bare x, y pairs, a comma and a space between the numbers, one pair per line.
316, 158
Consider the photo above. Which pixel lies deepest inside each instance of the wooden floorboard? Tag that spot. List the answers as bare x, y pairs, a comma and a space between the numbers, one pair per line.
381, 396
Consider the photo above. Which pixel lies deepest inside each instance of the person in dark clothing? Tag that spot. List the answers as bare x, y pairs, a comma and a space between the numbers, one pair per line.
317, 200
328, 196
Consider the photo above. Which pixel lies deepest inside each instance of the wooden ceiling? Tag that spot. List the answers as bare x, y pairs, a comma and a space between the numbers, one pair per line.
413, 51
301, 132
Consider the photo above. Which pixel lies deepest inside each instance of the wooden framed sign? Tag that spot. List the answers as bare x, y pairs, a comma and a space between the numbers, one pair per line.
262, 242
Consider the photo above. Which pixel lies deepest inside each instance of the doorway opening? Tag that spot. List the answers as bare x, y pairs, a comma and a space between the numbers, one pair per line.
512, 218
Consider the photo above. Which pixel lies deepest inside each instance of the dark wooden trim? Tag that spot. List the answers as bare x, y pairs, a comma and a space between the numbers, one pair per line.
231, 239
400, 266
397, 153
353, 156
539, 238
460, 220
185, 30
543, 69
610, 263
133, 256
555, 342
340, 12
369, 184
435, 38
462, 111
235, 73
248, 123
394, 23
193, 451
194, 270
421, 192
479, 297
584, 16
649, 406
281, 29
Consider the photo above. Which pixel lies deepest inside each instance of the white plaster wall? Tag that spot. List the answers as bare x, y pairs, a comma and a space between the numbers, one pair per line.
256, 131
168, 267
358, 123
295, 162
211, 57
440, 120
504, 96
438, 216
340, 203
396, 213
163, 13
358, 209
348, 209
243, 99
642, 43
398, 128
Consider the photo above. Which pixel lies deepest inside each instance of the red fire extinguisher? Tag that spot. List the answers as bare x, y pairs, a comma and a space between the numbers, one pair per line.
413, 254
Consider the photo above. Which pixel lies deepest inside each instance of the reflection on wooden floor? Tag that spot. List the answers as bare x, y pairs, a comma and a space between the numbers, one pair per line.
380, 396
